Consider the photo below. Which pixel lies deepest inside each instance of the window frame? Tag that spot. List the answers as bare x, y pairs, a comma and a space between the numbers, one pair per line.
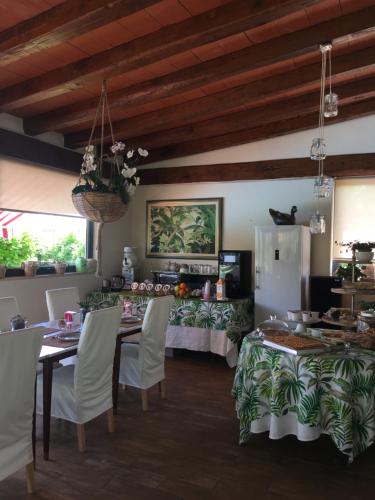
13, 272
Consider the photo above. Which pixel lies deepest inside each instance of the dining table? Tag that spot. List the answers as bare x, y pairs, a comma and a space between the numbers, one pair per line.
54, 350
331, 392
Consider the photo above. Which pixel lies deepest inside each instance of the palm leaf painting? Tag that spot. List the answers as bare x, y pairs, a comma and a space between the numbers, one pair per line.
184, 228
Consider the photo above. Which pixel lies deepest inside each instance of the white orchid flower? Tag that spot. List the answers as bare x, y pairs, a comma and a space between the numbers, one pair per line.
143, 152
128, 172
130, 189
136, 180
118, 147
130, 153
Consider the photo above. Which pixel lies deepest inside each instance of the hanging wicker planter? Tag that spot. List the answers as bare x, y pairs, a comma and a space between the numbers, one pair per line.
100, 199
99, 207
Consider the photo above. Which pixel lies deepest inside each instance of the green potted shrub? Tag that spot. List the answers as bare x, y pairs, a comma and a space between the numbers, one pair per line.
345, 271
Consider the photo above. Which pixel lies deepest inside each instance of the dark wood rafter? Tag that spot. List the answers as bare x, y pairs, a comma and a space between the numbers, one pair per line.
272, 92
32, 150
208, 27
273, 129
357, 165
252, 58
215, 105
62, 22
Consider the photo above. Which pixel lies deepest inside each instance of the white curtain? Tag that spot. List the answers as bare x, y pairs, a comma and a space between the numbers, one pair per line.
354, 213
32, 188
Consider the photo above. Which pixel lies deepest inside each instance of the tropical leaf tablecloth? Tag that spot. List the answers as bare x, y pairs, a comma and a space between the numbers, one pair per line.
205, 326
306, 395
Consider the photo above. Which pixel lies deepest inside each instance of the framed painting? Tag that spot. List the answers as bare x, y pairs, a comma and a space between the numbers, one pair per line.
184, 229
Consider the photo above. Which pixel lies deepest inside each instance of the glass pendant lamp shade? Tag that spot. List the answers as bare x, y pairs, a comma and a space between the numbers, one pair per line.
331, 105
318, 149
322, 186
317, 224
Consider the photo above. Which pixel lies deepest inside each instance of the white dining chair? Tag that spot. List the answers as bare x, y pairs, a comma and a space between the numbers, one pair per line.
142, 365
60, 300
8, 309
83, 391
17, 400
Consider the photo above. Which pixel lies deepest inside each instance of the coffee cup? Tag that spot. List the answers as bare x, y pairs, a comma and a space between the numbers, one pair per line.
310, 315
294, 315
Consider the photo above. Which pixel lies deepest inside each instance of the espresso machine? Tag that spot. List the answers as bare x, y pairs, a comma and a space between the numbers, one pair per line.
235, 269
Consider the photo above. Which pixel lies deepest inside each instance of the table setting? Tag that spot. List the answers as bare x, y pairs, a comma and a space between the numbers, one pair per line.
318, 382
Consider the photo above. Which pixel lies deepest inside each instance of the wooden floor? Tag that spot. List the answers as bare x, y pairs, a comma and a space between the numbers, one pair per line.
186, 448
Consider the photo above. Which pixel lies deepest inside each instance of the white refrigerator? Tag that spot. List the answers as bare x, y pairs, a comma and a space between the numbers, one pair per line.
282, 270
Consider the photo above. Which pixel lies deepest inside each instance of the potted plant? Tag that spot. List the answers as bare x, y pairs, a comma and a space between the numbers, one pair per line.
345, 271
60, 266
30, 267
362, 250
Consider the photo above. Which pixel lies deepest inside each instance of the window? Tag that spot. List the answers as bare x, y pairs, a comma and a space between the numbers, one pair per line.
39, 221
354, 213
47, 238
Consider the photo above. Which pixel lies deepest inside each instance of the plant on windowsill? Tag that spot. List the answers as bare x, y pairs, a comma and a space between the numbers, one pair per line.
362, 251
60, 266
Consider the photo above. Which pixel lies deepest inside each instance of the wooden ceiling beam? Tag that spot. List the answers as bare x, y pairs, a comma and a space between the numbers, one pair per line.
356, 165
62, 22
215, 105
273, 129
265, 54
265, 96
230, 19
29, 149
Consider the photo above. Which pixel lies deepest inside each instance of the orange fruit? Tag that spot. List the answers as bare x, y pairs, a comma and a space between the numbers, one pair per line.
183, 286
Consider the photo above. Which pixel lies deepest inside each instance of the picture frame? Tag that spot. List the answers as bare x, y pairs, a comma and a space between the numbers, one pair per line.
184, 228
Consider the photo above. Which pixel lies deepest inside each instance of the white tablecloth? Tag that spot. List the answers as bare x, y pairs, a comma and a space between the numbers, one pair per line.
202, 339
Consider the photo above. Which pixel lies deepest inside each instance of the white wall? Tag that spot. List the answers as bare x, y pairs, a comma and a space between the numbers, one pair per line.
30, 292
351, 137
246, 205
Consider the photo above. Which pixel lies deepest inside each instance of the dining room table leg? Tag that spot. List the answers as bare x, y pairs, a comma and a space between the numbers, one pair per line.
47, 396
116, 374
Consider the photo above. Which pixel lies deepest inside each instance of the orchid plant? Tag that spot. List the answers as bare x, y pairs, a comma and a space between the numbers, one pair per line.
122, 179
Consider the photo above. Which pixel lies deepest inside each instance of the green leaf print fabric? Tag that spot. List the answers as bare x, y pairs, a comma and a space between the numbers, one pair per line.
306, 395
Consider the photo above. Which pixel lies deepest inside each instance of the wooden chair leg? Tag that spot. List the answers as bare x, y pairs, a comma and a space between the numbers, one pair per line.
163, 389
111, 421
144, 399
81, 437
30, 478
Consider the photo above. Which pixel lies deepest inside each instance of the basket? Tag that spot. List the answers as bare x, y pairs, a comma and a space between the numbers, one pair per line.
99, 207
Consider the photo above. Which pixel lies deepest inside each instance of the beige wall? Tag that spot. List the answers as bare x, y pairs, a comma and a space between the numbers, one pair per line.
246, 205
30, 292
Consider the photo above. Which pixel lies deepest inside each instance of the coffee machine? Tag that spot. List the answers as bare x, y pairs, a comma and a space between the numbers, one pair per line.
235, 269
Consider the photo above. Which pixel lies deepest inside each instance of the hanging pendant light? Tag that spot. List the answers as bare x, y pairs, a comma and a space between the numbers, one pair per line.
317, 223
331, 99
318, 151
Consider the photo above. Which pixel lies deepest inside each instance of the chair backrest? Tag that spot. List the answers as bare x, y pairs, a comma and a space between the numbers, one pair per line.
60, 300
8, 309
19, 354
152, 339
96, 350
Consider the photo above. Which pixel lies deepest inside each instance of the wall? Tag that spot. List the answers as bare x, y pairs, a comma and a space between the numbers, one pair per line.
246, 205
30, 292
